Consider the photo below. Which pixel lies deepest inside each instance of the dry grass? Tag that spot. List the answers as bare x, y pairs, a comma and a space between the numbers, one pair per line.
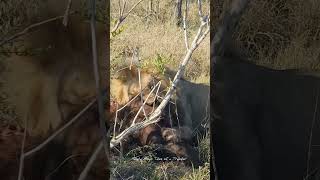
15, 13
282, 34
161, 43
144, 168
158, 35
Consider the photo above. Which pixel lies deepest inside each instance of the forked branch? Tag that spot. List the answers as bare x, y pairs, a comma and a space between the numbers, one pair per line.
30, 28
134, 126
203, 31
66, 14
123, 16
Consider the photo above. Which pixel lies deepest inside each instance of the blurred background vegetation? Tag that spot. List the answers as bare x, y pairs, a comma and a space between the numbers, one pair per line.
281, 34
15, 16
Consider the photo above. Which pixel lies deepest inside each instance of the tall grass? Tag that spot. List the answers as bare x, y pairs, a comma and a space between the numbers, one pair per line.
157, 34
282, 34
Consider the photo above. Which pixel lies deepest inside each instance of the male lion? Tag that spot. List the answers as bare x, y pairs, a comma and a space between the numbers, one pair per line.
126, 84
48, 87
192, 99
179, 121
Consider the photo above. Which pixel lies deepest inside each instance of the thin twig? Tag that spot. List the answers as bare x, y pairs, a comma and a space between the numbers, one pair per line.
66, 14
115, 121
62, 163
21, 163
118, 110
120, 9
31, 27
200, 9
311, 131
89, 164
197, 40
101, 108
129, 102
123, 7
141, 93
134, 120
122, 17
155, 98
155, 116
50, 138
185, 26
117, 139
102, 120
136, 55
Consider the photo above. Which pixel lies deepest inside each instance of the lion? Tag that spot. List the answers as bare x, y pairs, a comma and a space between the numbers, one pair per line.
49, 86
126, 85
188, 108
192, 107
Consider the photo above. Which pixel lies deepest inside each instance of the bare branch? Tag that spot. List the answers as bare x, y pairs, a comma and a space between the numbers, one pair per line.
101, 109
155, 98
66, 14
122, 17
21, 163
102, 119
89, 164
136, 56
123, 7
200, 9
142, 106
120, 8
154, 117
115, 121
197, 40
185, 25
62, 163
50, 138
134, 126
311, 133
29, 28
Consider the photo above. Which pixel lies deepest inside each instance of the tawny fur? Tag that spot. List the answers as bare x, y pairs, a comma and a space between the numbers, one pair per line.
47, 87
127, 85
192, 104
192, 99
